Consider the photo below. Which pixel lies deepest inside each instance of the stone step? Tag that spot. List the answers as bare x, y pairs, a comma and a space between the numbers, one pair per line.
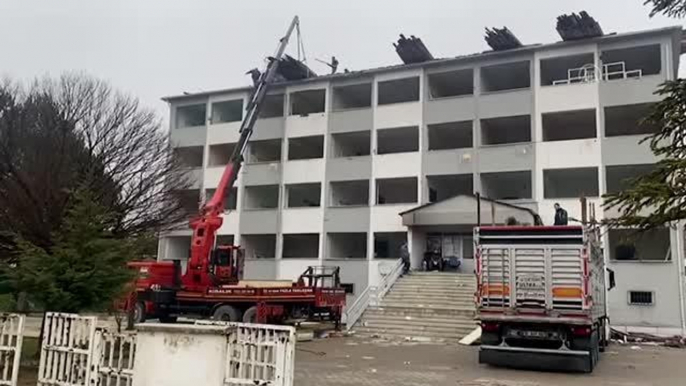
424, 312
432, 280
408, 334
423, 303
419, 284
456, 321
428, 290
440, 274
413, 325
448, 294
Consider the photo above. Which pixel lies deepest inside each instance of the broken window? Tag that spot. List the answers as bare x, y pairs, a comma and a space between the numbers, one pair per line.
190, 157
272, 106
397, 140
570, 183
228, 111
451, 135
569, 125
178, 248
353, 144
508, 76
303, 195
308, 102
506, 185
498, 131
398, 91
347, 245
189, 199
261, 197
191, 115
628, 120
568, 70
225, 240
220, 154
230, 198
259, 246
633, 62
356, 96
306, 147
387, 244
447, 186
631, 244
451, 83
264, 151
349, 193
303, 245
396, 190
620, 177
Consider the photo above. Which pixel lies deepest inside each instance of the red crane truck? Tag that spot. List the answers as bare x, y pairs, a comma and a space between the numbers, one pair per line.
541, 296
213, 284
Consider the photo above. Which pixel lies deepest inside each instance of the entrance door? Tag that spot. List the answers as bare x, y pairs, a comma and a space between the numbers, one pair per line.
454, 247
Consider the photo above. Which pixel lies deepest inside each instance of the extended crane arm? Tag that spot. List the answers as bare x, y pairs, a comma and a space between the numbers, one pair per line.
205, 226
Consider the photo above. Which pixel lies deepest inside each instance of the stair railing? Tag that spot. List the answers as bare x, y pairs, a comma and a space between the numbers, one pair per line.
372, 295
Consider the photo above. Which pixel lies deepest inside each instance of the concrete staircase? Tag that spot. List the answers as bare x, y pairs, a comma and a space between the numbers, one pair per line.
423, 306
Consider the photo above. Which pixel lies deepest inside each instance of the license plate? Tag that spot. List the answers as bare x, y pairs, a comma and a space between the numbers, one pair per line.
533, 334
531, 287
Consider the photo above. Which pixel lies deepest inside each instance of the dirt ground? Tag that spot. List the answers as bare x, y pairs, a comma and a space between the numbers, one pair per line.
349, 361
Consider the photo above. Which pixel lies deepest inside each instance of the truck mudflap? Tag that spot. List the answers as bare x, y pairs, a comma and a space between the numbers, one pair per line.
536, 359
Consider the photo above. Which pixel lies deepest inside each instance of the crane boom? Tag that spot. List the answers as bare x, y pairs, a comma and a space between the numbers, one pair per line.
205, 226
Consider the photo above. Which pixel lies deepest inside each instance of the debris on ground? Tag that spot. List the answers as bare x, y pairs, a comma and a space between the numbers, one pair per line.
472, 338
645, 339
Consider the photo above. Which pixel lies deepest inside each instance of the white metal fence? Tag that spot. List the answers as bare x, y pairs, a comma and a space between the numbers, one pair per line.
114, 358
74, 352
66, 350
11, 337
258, 354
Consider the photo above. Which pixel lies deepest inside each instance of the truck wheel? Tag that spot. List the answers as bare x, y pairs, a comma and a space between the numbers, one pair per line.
250, 315
226, 314
139, 312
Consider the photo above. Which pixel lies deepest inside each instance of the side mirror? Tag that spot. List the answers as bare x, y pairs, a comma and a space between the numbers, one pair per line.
612, 283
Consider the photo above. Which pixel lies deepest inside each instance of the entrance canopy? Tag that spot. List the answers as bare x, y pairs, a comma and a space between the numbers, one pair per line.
461, 210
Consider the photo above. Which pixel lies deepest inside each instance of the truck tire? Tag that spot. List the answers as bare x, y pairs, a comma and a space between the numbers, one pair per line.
250, 315
226, 313
139, 313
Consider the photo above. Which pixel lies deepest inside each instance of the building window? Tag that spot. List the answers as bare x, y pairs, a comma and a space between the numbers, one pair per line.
349, 288
507, 185
506, 130
632, 245
451, 83
355, 144
349, 193
569, 125
570, 183
633, 62
641, 298
398, 91
356, 96
306, 147
304, 245
259, 246
347, 245
629, 120
191, 115
303, 195
451, 135
272, 106
396, 190
387, 244
397, 140
227, 111
508, 76
308, 102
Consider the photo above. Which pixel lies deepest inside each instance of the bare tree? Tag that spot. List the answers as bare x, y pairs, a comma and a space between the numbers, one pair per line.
76, 131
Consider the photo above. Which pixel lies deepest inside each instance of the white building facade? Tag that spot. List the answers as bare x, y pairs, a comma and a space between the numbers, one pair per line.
335, 159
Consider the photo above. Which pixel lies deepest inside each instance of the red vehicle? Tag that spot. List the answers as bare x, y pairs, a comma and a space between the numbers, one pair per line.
213, 285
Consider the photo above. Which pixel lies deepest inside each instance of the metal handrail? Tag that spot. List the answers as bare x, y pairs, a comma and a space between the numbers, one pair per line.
372, 295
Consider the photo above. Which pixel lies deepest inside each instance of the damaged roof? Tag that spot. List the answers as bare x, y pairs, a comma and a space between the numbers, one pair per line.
440, 61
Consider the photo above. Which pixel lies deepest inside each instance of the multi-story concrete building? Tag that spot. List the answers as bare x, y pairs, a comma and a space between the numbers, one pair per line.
335, 159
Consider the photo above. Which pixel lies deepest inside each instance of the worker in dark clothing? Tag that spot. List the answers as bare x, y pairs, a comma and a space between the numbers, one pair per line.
560, 215
405, 257
255, 74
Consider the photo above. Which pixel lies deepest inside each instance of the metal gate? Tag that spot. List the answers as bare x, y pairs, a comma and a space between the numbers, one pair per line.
11, 337
258, 354
114, 358
66, 350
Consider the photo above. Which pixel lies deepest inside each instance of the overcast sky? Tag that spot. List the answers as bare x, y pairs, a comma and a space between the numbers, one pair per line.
154, 48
